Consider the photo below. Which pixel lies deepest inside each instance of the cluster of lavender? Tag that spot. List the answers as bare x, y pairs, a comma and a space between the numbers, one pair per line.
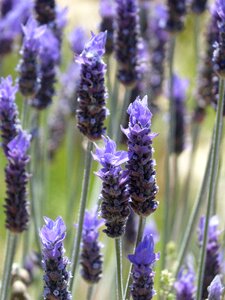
142, 273
127, 39
56, 276
176, 13
141, 172
185, 284
91, 258
114, 205
91, 111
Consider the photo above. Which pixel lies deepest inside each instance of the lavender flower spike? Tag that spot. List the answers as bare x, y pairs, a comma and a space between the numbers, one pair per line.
45, 11
28, 80
114, 206
16, 206
177, 10
142, 274
141, 172
215, 289
219, 52
212, 263
8, 111
91, 111
126, 43
91, 258
185, 285
56, 276
198, 6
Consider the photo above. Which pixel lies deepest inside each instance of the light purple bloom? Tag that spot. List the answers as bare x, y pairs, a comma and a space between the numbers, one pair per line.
108, 155
151, 229
220, 8
107, 8
180, 86
215, 289
19, 145
185, 284
77, 39
49, 50
61, 17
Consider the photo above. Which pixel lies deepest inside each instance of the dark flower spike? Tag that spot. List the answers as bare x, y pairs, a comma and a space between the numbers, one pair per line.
198, 6
142, 273
180, 87
8, 111
126, 41
45, 11
114, 206
16, 205
216, 289
219, 52
213, 261
49, 56
141, 167
28, 68
91, 258
107, 12
56, 276
176, 13
185, 284
91, 111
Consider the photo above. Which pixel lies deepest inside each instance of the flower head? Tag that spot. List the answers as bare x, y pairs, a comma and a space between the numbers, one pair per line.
215, 289
180, 87
19, 145
49, 51
107, 8
91, 226
77, 40
7, 90
185, 284
220, 8
108, 155
144, 253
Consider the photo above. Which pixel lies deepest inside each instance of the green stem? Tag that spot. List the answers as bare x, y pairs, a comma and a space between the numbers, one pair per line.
170, 142
77, 240
175, 193
90, 292
212, 184
194, 215
122, 115
141, 227
119, 277
9, 256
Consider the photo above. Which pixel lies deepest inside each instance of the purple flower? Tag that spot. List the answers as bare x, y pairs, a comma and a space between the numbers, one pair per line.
141, 173
151, 229
56, 276
8, 111
16, 205
91, 111
142, 273
59, 25
45, 11
126, 42
6, 7
49, 55
213, 262
77, 39
180, 86
114, 206
91, 258
185, 284
107, 12
177, 10
28, 80
215, 289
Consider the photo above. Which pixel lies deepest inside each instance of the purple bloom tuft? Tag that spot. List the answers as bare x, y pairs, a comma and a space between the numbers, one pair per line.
8, 111
212, 264
91, 258
114, 206
28, 81
91, 111
45, 11
126, 43
215, 289
141, 173
177, 10
142, 274
77, 40
56, 276
185, 285
16, 206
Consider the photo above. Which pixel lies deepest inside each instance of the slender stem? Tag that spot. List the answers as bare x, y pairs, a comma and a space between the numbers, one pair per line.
175, 193
119, 277
77, 240
141, 227
9, 256
90, 292
170, 142
194, 214
212, 184
122, 115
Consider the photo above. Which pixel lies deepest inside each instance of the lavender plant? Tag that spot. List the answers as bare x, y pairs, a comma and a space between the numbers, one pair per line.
185, 284
215, 289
